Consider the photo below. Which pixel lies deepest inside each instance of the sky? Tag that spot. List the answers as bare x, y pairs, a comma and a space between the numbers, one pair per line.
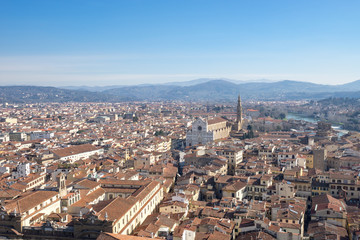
126, 42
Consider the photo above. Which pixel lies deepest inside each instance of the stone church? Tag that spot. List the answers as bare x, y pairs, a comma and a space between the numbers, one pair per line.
204, 131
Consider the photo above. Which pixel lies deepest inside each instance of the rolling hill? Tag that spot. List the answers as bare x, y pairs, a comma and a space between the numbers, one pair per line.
211, 91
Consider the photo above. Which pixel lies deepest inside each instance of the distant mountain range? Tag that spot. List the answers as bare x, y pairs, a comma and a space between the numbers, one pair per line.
209, 90
35, 94
181, 84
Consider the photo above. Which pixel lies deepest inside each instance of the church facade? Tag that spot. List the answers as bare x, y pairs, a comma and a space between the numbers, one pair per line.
204, 131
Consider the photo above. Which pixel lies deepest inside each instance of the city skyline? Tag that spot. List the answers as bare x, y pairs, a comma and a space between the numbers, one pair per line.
179, 120
97, 43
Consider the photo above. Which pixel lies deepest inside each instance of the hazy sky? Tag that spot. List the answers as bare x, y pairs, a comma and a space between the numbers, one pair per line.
103, 42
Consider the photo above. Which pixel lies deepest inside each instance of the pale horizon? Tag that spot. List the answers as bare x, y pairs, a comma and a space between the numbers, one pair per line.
151, 42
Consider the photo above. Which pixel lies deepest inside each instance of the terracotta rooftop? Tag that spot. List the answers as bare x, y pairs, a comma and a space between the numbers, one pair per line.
28, 201
114, 236
216, 120
73, 150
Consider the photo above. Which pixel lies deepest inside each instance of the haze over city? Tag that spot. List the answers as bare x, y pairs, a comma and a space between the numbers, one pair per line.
99, 43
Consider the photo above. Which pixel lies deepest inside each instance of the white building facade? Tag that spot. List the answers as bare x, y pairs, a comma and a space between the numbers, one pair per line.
206, 131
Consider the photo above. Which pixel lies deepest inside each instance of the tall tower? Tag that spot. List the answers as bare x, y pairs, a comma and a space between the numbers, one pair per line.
61, 184
239, 111
239, 118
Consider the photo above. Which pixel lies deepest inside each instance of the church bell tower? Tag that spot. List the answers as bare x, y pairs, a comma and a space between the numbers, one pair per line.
239, 117
61, 179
